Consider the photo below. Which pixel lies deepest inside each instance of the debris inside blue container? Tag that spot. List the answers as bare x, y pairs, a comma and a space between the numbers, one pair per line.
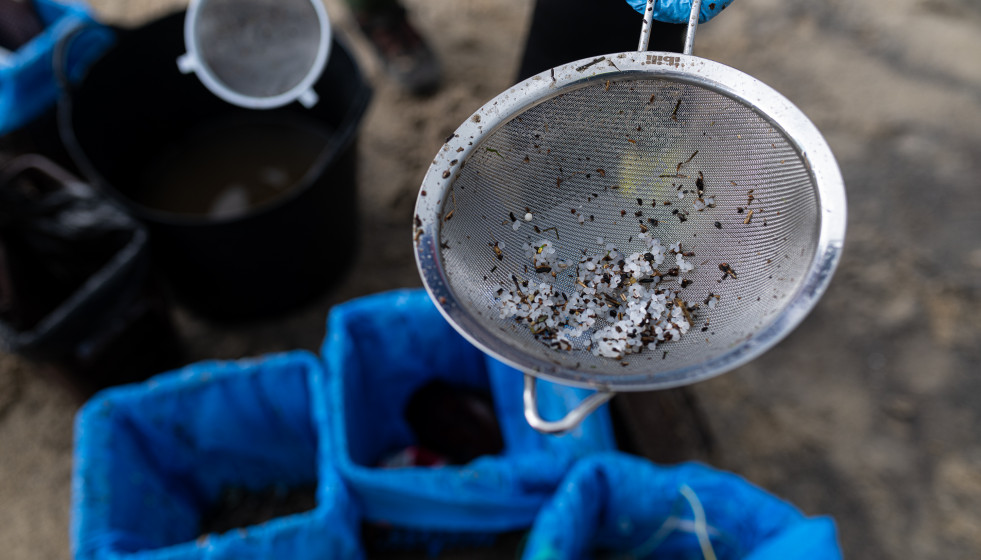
216, 461
401, 387
452, 423
386, 543
239, 507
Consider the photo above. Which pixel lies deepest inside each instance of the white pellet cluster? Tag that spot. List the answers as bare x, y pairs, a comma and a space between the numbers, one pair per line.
702, 203
620, 298
541, 253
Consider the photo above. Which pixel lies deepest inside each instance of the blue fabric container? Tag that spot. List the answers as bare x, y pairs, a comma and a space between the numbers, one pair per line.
28, 83
627, 507
379, 350
151, 459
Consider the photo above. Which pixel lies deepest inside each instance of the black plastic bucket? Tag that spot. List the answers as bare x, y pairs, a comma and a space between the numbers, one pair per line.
134, 110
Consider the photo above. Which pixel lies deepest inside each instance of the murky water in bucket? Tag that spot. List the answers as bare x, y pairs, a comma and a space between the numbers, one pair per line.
227, 168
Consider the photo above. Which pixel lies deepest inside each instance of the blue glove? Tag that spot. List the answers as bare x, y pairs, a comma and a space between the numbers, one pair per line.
677, 11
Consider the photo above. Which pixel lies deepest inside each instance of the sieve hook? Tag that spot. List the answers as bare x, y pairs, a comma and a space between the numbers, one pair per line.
645, 31
570, 420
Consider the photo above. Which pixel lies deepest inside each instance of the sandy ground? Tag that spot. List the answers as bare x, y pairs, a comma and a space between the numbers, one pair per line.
867, 412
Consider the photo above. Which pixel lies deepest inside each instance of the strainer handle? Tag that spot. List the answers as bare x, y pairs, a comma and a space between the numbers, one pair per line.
645, 31
570, 420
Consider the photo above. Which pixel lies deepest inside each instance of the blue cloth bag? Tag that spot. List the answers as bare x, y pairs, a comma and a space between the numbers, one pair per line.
378, 351
152, 458
28, 82
619, 506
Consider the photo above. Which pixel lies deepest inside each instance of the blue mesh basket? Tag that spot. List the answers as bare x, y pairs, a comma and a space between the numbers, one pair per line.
619, 506
152, 459
379, 350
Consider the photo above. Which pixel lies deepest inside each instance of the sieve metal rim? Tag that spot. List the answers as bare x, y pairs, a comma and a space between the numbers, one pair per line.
751, 92
302, 91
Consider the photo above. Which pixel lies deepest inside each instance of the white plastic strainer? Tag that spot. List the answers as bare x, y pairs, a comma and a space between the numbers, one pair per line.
258, 54
596, 152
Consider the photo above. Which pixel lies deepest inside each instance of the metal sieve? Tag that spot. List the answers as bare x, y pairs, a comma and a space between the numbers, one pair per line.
599, 149
257, 54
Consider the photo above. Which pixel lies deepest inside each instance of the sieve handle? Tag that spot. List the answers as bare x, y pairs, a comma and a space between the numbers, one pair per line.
570, 420
645, 31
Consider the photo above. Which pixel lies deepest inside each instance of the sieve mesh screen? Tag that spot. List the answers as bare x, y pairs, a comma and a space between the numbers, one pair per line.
593, 150
258, 48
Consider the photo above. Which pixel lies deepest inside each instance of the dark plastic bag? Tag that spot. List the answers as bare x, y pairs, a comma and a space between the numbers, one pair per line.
153, 459
619, 506
56, 233
379, 351
76, 288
